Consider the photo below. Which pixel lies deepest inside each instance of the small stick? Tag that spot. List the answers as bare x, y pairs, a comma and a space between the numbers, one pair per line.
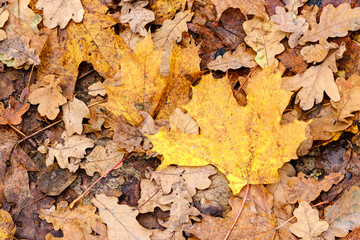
33, 134
85, 74
98, 180
17, 130
247, 77
31, 73
239, 212
96, 103
36, 200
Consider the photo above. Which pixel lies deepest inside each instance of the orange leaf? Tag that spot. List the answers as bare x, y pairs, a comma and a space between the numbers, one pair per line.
12, 115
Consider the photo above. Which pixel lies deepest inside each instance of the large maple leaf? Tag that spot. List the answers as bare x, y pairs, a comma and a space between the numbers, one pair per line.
247, 144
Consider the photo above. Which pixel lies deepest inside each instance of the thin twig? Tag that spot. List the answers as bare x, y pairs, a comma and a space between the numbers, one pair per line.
85, 74
2, 10
17, 130
31, 73
33, 134
96, 103
19, 210
72, 204
239, 212
247, 77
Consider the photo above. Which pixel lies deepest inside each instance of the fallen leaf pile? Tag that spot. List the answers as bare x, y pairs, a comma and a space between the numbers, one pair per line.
198, 119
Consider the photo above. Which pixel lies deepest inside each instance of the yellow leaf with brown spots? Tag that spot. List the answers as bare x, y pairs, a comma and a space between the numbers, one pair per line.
248, 144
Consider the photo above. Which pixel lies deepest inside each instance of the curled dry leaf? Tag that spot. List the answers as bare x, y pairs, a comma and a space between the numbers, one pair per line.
349, 97
74, 112
68, 155
315, 81
334, 22
241, 57
180, 210
290, 23
60, 12
184, 122
120, 219
264, 37
12, 115
137, 16
101, 159
7, 225
77, 224
150, 197
3, 18
308, 225
317, 52
49, 97
307, 189
343, 215
192, 177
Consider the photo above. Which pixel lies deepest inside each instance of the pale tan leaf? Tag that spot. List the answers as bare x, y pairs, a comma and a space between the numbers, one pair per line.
334, 22
343, 215
264, 37
48, 97
60, 12
120, 219
77, 224
101, 159
308, 226
349, 97
293, 5
184, 122
315, 81
241, 57
290, 23
68, 155
3, 18
150, 196
307, 189
317, 52
246, 6
131, 39
96, 89
148, 126
192, 177
137, 16
74, 112
181, 210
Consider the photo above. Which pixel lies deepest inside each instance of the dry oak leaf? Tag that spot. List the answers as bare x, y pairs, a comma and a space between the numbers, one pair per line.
307, 189
264, 37
290, 23
246, 6
184, 122
293, 5
60, 12
93, 40
130, 38
317, 52
78, 224
191, 177
181, 209
7, 226
20, 9
308, 226
166, 9
237, 140
334, 22
101, 159
12, 115
144, 89
49, 97
120, 219
3, 18
74, 112
349, 97
96, 89
16, 48
252, 224
343, 215
315, 81
137, 16
73, 149
151, 193
241, 57
170, 32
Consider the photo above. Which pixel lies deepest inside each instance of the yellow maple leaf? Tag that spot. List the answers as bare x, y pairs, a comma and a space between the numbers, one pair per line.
247, 144
144, 89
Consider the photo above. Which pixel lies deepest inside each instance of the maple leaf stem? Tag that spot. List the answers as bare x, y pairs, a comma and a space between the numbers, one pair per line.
239, 212
98, 180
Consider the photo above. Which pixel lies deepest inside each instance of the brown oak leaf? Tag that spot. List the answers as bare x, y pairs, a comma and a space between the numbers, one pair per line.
12, 115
